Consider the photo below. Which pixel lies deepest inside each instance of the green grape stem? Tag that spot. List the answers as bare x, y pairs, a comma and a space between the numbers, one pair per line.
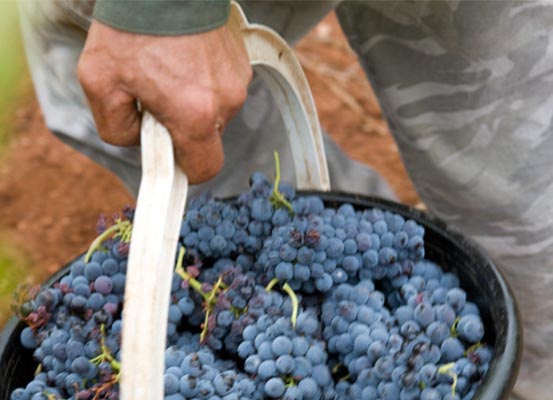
271, 285
210, 298
193, 282
121, 228
336, 368
51, 396
289, 381
472, 348
210, 305
291, 294
105, 355
205, 326
447, 369
453, 330
238, 311
277, 198
295, 303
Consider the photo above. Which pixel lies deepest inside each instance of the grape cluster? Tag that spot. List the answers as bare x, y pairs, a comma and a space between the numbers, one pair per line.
397, 354
274, 296
230, 312
194, 371
215, 229
323, 247
288, 363
75, 329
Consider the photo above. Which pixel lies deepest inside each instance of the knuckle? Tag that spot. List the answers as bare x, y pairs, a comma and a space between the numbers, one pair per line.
206, 106
207, 172
212, 170
117, 123
131, 76
116, 101
93, 85
85, 74
240, 94
120, 135
234, 100
202, 112
201, 160
105, 129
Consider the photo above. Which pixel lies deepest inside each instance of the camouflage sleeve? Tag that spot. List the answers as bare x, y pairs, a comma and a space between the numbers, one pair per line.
163, 17
467, 90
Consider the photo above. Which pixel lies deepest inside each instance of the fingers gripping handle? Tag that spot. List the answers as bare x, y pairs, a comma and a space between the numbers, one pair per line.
162, 196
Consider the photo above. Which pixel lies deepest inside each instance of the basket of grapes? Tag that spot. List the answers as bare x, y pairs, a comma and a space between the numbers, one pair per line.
276, 293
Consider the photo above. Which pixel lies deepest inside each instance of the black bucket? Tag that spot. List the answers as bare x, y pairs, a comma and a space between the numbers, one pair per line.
479, 276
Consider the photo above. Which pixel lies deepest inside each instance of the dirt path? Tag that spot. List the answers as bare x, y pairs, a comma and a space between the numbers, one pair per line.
51, 196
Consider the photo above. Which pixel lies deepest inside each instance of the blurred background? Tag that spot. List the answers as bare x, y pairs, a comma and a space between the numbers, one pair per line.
13, 264
51, 196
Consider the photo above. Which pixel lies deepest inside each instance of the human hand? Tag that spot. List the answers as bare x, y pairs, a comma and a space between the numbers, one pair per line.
192, 84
